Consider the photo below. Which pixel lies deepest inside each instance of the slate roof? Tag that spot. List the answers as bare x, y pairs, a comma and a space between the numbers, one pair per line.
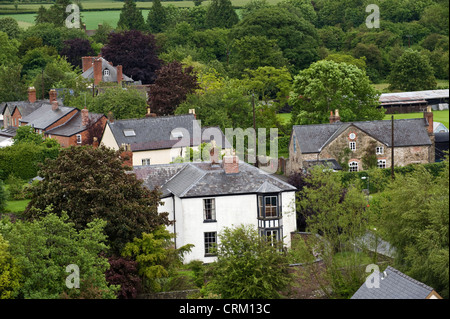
44, 116
89, 73
202, 179
407, 132
394, 285
73, 126
153, 133
25, 107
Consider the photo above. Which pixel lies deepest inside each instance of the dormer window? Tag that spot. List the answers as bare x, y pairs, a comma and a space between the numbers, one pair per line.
106, 72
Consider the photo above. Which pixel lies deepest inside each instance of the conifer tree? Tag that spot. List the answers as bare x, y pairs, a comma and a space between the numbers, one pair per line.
220, 14
156, 18
131, 17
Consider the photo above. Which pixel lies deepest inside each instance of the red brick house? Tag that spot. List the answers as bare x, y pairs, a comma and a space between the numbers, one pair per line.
68, 125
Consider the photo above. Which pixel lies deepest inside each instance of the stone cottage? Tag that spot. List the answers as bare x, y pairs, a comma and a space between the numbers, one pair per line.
351, 143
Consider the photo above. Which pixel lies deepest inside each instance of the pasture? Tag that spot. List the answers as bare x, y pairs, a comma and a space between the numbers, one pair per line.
95, 11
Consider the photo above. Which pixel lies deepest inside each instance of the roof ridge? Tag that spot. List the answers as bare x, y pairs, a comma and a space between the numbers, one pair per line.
196, 181
152, 118
403, 275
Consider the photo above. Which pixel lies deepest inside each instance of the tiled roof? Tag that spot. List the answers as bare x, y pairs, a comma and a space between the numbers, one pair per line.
153, 133
89, 73
45, 116
199, 179
394, 285
73, 126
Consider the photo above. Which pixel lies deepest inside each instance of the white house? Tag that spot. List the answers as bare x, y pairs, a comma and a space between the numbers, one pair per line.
159, 140
205, 197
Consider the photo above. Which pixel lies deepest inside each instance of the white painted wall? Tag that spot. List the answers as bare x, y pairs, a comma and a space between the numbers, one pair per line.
231, 211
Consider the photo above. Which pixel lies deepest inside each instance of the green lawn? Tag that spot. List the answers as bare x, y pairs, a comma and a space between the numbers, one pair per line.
438, 116
16, 206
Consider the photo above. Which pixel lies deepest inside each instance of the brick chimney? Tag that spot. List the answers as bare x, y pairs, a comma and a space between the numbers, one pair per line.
95, 142
334, 117
230, 164
87, 62
126, 155
119, 74
98, 72
214, 153
53, 95
428, 116
110, 117
149, 113
192, 111
31, 94
55, 105
84, 117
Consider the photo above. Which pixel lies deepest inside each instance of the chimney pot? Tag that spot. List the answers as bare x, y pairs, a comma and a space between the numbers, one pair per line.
55, 105
428, 115
31, 94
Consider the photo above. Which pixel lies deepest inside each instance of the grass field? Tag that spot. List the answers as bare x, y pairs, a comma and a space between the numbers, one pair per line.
93, 18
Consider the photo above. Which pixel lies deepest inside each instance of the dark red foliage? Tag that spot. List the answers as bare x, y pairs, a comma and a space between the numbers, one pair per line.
136, 52
75, 49
124, 272
172, 85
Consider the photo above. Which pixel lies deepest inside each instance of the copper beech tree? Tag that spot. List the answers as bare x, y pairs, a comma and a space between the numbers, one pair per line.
89, 183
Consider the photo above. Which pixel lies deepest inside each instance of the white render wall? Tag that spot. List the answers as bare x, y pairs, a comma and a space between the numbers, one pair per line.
231, 211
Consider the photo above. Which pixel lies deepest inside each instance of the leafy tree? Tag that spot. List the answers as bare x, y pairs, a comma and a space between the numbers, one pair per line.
103, 31
27, 134
123, 272
10, 275
339, 216
90, 183
44, 248
412, 72
414, 218
221, 14
225, 106
57, 73
22, 159
75, 49
123, 104
139, 60
156, 257
252, 52
346, 58
3, 197
56, 14
242, 271
326, 86
156, 18
131, 17
10, 26
269, 83
12, 85
296, 37
171, 87
9, 48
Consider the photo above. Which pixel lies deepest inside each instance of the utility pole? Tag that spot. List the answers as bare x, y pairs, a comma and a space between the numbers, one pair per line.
392, 147
254, 128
